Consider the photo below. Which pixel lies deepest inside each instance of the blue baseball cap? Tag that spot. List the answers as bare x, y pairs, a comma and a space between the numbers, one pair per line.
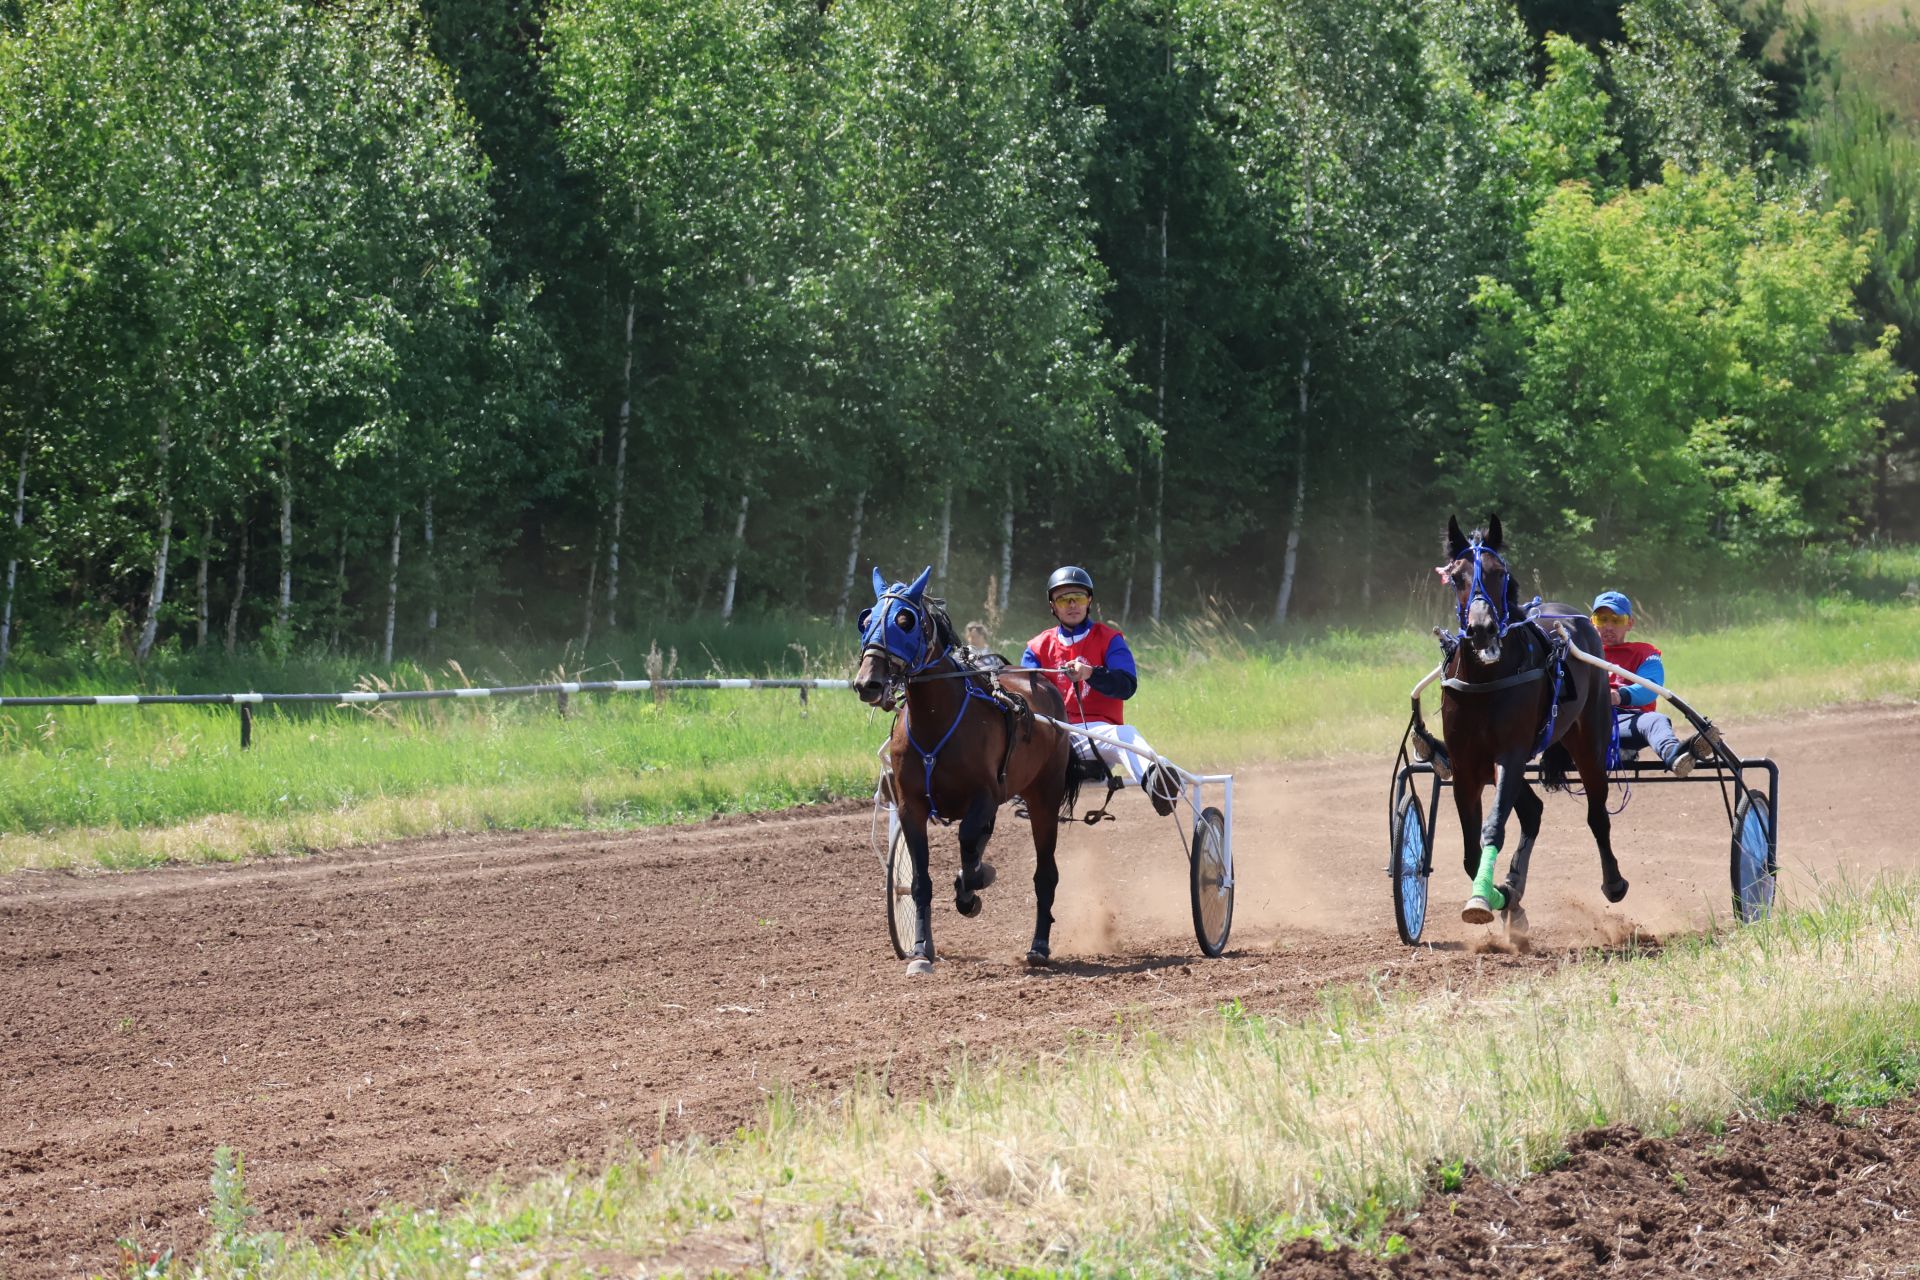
1615, 601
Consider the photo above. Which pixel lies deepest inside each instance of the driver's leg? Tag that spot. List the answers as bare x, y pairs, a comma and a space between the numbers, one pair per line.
1161, 786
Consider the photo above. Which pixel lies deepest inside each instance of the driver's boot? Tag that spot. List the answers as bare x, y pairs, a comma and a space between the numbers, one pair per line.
1162, 786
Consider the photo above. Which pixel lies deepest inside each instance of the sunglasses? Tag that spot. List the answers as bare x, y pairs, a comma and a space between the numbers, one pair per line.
1607, 618
1072, 599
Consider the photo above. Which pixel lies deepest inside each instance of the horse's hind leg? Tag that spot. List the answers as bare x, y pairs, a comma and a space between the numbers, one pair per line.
1591, 761
1044, 813
975, 873
1528, 808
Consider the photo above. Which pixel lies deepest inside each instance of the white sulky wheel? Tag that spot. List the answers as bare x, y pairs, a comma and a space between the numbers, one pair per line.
900, 919
1207, 879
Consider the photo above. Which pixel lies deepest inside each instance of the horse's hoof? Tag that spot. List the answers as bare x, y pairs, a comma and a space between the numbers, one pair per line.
1039, 960
1477, 911
919, 967
969, 906
1614, 889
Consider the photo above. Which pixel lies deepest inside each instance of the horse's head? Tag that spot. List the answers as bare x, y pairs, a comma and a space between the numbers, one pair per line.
1482, 585
898, 637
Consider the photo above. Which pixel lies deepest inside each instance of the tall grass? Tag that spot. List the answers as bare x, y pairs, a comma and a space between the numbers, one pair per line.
1191, 1154
123, 786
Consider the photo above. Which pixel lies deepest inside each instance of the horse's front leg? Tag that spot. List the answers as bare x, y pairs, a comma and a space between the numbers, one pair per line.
913, 826
1488, 897
975, 873
1528, 808
1466, 803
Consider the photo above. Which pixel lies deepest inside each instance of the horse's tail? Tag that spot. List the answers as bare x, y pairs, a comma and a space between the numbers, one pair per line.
1555, 762
1070, 795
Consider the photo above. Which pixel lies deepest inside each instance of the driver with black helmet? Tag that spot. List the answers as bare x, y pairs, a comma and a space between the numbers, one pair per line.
1096, 675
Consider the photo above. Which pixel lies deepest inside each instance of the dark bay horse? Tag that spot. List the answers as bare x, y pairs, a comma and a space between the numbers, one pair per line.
1508, 696
958, 750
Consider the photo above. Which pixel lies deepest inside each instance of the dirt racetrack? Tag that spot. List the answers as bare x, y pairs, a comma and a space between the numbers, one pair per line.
402, 1021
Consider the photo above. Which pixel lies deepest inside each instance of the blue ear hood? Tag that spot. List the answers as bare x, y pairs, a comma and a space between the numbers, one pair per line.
898, 622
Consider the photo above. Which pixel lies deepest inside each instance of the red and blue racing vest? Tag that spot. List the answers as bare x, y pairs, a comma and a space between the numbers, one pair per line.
1084, 702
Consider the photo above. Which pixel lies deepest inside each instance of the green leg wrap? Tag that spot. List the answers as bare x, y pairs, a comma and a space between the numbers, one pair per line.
1483, 885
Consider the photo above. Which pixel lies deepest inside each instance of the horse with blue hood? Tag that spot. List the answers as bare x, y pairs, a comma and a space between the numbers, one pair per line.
965, 740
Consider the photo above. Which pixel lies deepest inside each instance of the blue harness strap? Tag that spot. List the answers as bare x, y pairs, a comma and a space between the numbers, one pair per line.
930, 758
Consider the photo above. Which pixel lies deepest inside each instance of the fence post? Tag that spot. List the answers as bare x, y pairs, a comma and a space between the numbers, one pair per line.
246, 726
803, 700
561, 699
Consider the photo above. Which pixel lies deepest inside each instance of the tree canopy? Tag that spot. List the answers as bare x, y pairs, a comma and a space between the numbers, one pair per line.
327, 326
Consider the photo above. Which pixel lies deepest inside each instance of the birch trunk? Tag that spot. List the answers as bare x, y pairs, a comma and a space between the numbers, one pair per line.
393, 593
200, 608
239, 590
284, 613
1292, 557
853, 558
157, 595
593, 562
433, 578
1366, 560
620, 476
1160, 415
593, 576
946, 536
1006, 550
733, 564
339, 592
13, 560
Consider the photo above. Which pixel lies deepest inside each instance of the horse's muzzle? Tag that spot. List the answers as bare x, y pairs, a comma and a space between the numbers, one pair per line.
873, 680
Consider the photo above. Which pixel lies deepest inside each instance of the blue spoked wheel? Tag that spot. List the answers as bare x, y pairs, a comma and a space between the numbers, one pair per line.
1409, 869
1753, 864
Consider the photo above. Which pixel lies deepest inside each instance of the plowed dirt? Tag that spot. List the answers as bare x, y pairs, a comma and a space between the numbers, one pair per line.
404, 1021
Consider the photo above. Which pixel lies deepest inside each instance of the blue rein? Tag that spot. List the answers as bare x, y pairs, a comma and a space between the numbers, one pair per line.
930, 758
926, 659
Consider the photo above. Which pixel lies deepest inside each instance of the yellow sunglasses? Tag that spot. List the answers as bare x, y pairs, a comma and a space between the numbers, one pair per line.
1607, 618
1071, 598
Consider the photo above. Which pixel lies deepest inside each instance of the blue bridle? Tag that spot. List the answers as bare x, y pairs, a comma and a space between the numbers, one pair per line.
900, 631
898, 626
1503, 610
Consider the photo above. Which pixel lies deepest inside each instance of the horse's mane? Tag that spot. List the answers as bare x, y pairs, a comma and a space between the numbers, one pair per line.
945, 637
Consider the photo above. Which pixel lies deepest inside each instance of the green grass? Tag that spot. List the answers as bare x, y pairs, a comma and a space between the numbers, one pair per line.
1197, 1153
131, 786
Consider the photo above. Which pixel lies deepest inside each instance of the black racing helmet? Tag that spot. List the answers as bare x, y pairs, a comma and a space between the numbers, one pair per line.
1069, 575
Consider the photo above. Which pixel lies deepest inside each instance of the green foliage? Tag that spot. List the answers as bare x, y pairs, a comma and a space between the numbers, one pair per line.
1678, 383
1688, 96
320, 325
237, 1248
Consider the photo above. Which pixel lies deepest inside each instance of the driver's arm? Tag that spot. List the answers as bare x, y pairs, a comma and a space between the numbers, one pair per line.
1117, 678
